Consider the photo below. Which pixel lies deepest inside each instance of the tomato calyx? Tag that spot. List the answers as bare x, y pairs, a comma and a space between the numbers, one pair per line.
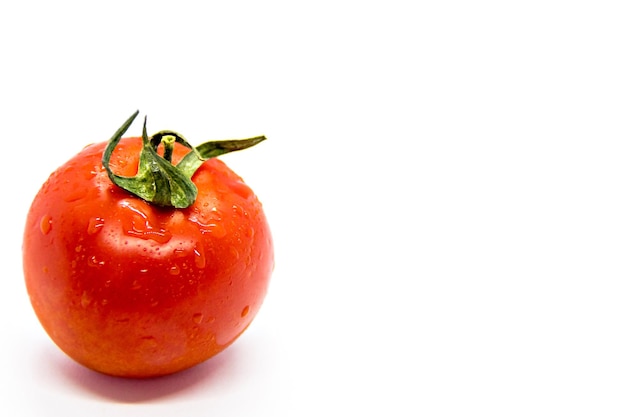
160, 182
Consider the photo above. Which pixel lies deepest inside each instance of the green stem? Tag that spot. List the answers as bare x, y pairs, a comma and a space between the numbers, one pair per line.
168, 147
160, 182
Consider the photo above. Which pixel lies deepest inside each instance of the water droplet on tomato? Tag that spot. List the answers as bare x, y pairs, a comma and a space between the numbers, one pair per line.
245, 311
240, 210
91, 173
217, 229
85, 299
213, 226
94, 262
174, 270
148, 342
200, 258
45, 225
77, 194
197, 318
136, 285
95, 225
159, 236
78, 248
139, 224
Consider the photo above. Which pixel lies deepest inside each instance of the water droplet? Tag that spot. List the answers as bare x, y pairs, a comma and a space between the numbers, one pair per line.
177, 217
197, 318
77, 194
104, 302
136, 285
85, 299
139, 224
200, 258
91, 173
174, 270
212, 226
94, 262
245, 311
234, 252
239, 210
78, 248
46, 224
95, 225
217, 230
148, 342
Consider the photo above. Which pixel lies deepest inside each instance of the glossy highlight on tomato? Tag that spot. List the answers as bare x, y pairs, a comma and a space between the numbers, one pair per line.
135, 289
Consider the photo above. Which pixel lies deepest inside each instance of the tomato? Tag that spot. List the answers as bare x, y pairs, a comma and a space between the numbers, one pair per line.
131, 288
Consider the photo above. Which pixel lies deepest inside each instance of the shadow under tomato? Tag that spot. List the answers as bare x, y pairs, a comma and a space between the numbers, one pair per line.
126, 390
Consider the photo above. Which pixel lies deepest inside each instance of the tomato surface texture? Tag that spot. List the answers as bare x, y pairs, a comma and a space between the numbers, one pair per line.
132, 289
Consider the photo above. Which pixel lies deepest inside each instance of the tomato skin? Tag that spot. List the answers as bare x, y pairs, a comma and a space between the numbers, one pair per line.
131, 289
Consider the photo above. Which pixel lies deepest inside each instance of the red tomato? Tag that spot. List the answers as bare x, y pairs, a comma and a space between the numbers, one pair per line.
129, 288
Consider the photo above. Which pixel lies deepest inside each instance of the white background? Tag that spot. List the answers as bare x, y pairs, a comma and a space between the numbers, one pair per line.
445, 182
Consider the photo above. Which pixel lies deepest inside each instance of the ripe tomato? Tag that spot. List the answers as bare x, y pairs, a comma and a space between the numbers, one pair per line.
131, 288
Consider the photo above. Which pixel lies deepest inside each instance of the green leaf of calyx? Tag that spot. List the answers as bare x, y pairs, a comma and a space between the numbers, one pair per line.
160, 182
